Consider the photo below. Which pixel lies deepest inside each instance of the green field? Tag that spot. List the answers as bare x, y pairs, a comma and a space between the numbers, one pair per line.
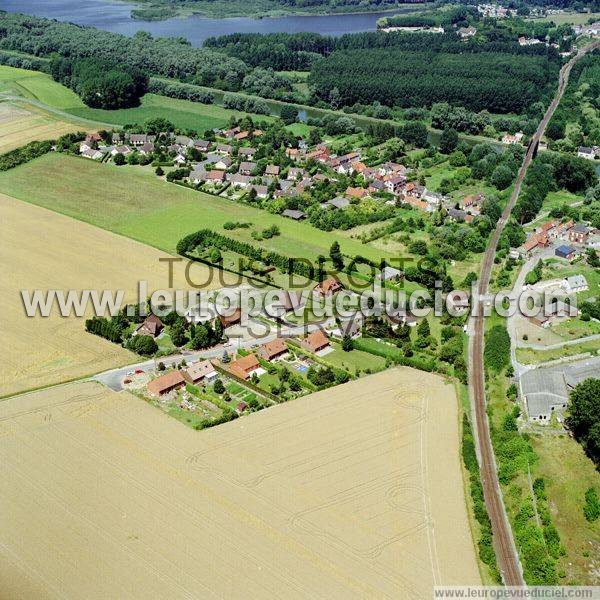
569, 473
37, 86
182, 113
131, 201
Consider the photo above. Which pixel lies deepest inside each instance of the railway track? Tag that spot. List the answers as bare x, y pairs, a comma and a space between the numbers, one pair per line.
504, 545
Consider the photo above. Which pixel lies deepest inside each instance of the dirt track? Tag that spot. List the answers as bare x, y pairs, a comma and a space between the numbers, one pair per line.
354, 492
506, 553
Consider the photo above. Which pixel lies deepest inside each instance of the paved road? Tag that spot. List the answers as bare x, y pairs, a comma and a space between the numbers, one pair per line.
506, 552
114, 378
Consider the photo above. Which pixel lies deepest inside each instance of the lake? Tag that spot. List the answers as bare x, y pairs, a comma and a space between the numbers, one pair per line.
115, 16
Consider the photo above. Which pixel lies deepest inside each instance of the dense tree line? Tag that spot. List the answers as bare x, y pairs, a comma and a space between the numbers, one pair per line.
477, 81
167, 57
206, 238
182, 91
496, 354
246, 104
584, 416
17, 157
101, 84
23, 62
551, 171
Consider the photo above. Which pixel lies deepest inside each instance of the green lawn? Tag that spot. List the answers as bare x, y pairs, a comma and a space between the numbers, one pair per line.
354, 360
133, 202
182, 113
300, 129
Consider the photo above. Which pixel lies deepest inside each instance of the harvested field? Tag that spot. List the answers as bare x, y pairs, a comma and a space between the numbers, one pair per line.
105, 496
44, 250
19, 126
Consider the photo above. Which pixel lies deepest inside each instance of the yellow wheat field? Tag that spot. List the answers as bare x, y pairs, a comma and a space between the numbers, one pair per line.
350, 493
43, 250
19, 126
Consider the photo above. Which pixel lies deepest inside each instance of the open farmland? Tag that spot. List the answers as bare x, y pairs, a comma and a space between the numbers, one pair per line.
134, 202
182, 113
344, 508
20, 125
68, 255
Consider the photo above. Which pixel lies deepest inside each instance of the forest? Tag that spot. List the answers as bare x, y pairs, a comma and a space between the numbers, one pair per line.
168, 57
101, 84
500, 83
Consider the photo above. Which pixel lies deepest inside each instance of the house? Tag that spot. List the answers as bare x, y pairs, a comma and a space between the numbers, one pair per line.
292, 153
512, 139
124, 150
246, 168
316, 342
327, 288
395, 183
539, 239
575, 284
262, 191
417, 203
201, 145
294, 173
523, 41
273, 350
247, 153
376, 186
414, 189
215, 176
93, 137
454, 214
147, 148
222, 163
579, 233
239, 180
180, 159
272, 171
349, 327
587, 153
358, 193
466, 32
165, 383
241, 407
202, 371
152, 326
593, 241
138, 139
242, 135
457, 303
197, 176
472, 203
297, 215
183, 140
390, 274
566, 252
225, 149
246, 366
293, 301
338, 202
231, 319
93, 154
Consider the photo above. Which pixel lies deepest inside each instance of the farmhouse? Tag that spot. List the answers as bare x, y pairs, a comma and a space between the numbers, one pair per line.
327, 288
246, 366
151, 326
165, 384
273, 350
316, 342
200, 372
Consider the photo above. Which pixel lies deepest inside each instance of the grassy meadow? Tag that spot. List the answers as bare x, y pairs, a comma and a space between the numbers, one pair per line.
131, 201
